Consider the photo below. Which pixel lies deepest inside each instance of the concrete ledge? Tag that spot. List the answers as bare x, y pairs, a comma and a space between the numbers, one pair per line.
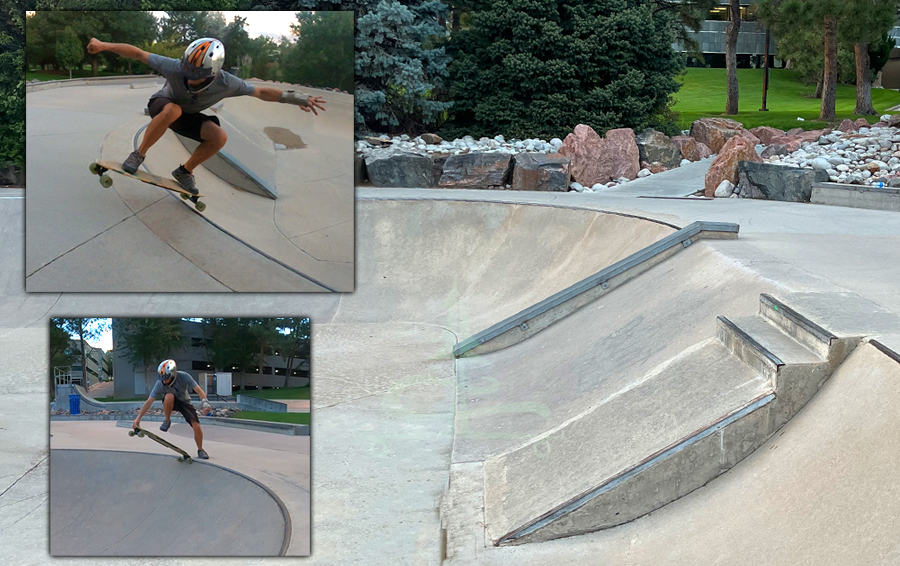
532, 320
856, 196
91, 403
250, 403
124, 421
62, 83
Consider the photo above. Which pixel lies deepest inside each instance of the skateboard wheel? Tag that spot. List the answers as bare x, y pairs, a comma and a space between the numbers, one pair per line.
95, 168
184, 196
141, 434
130, 433
201, 206
106, 181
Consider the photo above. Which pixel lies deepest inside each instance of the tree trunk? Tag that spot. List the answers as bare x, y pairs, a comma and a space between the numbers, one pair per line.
95, 66
863, 82
819, 84
731, 37
829, 94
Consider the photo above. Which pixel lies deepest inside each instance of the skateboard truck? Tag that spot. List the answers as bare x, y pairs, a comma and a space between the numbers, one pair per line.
141, 433
101, 167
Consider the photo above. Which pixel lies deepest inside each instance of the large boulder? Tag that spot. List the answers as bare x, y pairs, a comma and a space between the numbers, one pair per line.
725, 166
397, 168
656, 147
847, 126
475, 171
624, 157
778, 182
766, 133
597, 160
540, 172
714, 132
359, 169
688, 147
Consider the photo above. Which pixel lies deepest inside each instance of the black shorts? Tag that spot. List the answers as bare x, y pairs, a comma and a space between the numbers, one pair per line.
186, 409
188, 125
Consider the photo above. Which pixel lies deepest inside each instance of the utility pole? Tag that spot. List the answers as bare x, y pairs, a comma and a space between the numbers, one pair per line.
765, 74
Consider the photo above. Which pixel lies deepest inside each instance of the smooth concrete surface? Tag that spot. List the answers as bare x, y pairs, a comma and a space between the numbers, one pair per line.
140, 238
386, 486
280, 463
109, 503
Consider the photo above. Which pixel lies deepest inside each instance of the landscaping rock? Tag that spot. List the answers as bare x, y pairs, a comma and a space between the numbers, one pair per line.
359, 169
398, 168
725, 166
774, 149
861, 123
779, 182
431, 139
475, 171
597, 160
540, 172
656, 147
847, 126
714, 132
704, 150
765, 134
725, 189
688, 147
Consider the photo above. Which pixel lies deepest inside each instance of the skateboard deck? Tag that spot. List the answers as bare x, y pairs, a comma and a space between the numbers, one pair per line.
185, 457
100, 167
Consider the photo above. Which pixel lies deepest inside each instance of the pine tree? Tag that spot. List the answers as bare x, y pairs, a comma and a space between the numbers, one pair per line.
527, 68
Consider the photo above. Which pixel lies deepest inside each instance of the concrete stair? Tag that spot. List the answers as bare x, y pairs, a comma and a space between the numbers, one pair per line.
682, 425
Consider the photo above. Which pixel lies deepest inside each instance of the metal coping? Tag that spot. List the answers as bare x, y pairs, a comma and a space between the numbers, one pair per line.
588, 283
886, 351
797, 318
752, 342
229, 234
286, 541
632, 472
856, 188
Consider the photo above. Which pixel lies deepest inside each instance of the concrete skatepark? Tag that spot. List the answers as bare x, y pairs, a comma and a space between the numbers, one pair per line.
424, 458
83, 237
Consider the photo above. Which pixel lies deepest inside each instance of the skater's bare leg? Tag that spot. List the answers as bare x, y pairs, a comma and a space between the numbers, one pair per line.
158, 126
168, 405
214, 138
198, 435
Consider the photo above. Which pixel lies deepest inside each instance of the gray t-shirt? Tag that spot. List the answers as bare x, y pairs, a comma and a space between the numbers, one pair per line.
181, 387
224, 86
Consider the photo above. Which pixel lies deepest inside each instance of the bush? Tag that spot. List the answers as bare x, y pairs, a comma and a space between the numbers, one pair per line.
537, 68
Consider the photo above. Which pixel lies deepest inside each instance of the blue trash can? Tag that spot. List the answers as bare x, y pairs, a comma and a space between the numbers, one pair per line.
75, 404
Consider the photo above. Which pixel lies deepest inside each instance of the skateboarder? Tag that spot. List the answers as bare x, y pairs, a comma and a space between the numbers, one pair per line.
194, 83
173, 386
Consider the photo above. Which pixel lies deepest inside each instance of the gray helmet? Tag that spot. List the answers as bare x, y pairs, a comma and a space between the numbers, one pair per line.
166, 370
203, 59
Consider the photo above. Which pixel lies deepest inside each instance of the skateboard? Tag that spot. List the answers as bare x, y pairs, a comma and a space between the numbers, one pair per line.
185, 457
100, 168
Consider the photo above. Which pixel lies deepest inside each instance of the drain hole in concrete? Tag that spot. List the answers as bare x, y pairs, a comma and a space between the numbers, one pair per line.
285, 137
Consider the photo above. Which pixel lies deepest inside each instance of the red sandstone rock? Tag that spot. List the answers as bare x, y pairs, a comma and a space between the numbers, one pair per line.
714, 132
704, 150
861, 123
688, 147
597, 160
794, 131
847, 125
766, 133
725, 166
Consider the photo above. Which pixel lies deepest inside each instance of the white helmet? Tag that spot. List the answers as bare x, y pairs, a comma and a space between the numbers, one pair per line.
203, 59
167, 370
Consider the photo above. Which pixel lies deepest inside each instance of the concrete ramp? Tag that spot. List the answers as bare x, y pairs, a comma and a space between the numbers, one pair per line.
107, 503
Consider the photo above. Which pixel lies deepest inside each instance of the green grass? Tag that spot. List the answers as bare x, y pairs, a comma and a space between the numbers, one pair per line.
292, 418
59, 75
282, 393
704, 92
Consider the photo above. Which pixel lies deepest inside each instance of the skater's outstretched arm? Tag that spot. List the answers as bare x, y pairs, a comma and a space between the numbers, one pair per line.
95, 46
306, 102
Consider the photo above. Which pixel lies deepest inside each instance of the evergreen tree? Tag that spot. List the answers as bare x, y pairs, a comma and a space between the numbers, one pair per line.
323, 52
399, 67
12, 84
529, 68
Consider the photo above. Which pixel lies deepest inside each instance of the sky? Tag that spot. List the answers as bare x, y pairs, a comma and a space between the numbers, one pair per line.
259, 22
105, 340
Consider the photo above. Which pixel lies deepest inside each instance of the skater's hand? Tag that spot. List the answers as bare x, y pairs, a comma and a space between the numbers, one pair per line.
205, 408
136, 423
94, 46
314, 102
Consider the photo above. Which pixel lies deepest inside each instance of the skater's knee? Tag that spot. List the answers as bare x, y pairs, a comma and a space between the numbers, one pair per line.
214, 134
170, 112
169, 400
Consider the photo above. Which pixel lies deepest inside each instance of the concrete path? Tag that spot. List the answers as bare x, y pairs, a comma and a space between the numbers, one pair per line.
401, 427
137, 237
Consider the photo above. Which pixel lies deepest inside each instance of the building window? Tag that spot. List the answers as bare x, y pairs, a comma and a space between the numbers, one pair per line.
202, 366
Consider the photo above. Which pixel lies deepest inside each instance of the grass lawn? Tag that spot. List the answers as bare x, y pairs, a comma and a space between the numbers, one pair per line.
703, 95
59, 75
280, 393
292, 418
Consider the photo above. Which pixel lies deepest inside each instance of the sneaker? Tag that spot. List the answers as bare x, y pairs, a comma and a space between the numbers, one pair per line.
185, 179
202, 454
132, 163
165, 426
